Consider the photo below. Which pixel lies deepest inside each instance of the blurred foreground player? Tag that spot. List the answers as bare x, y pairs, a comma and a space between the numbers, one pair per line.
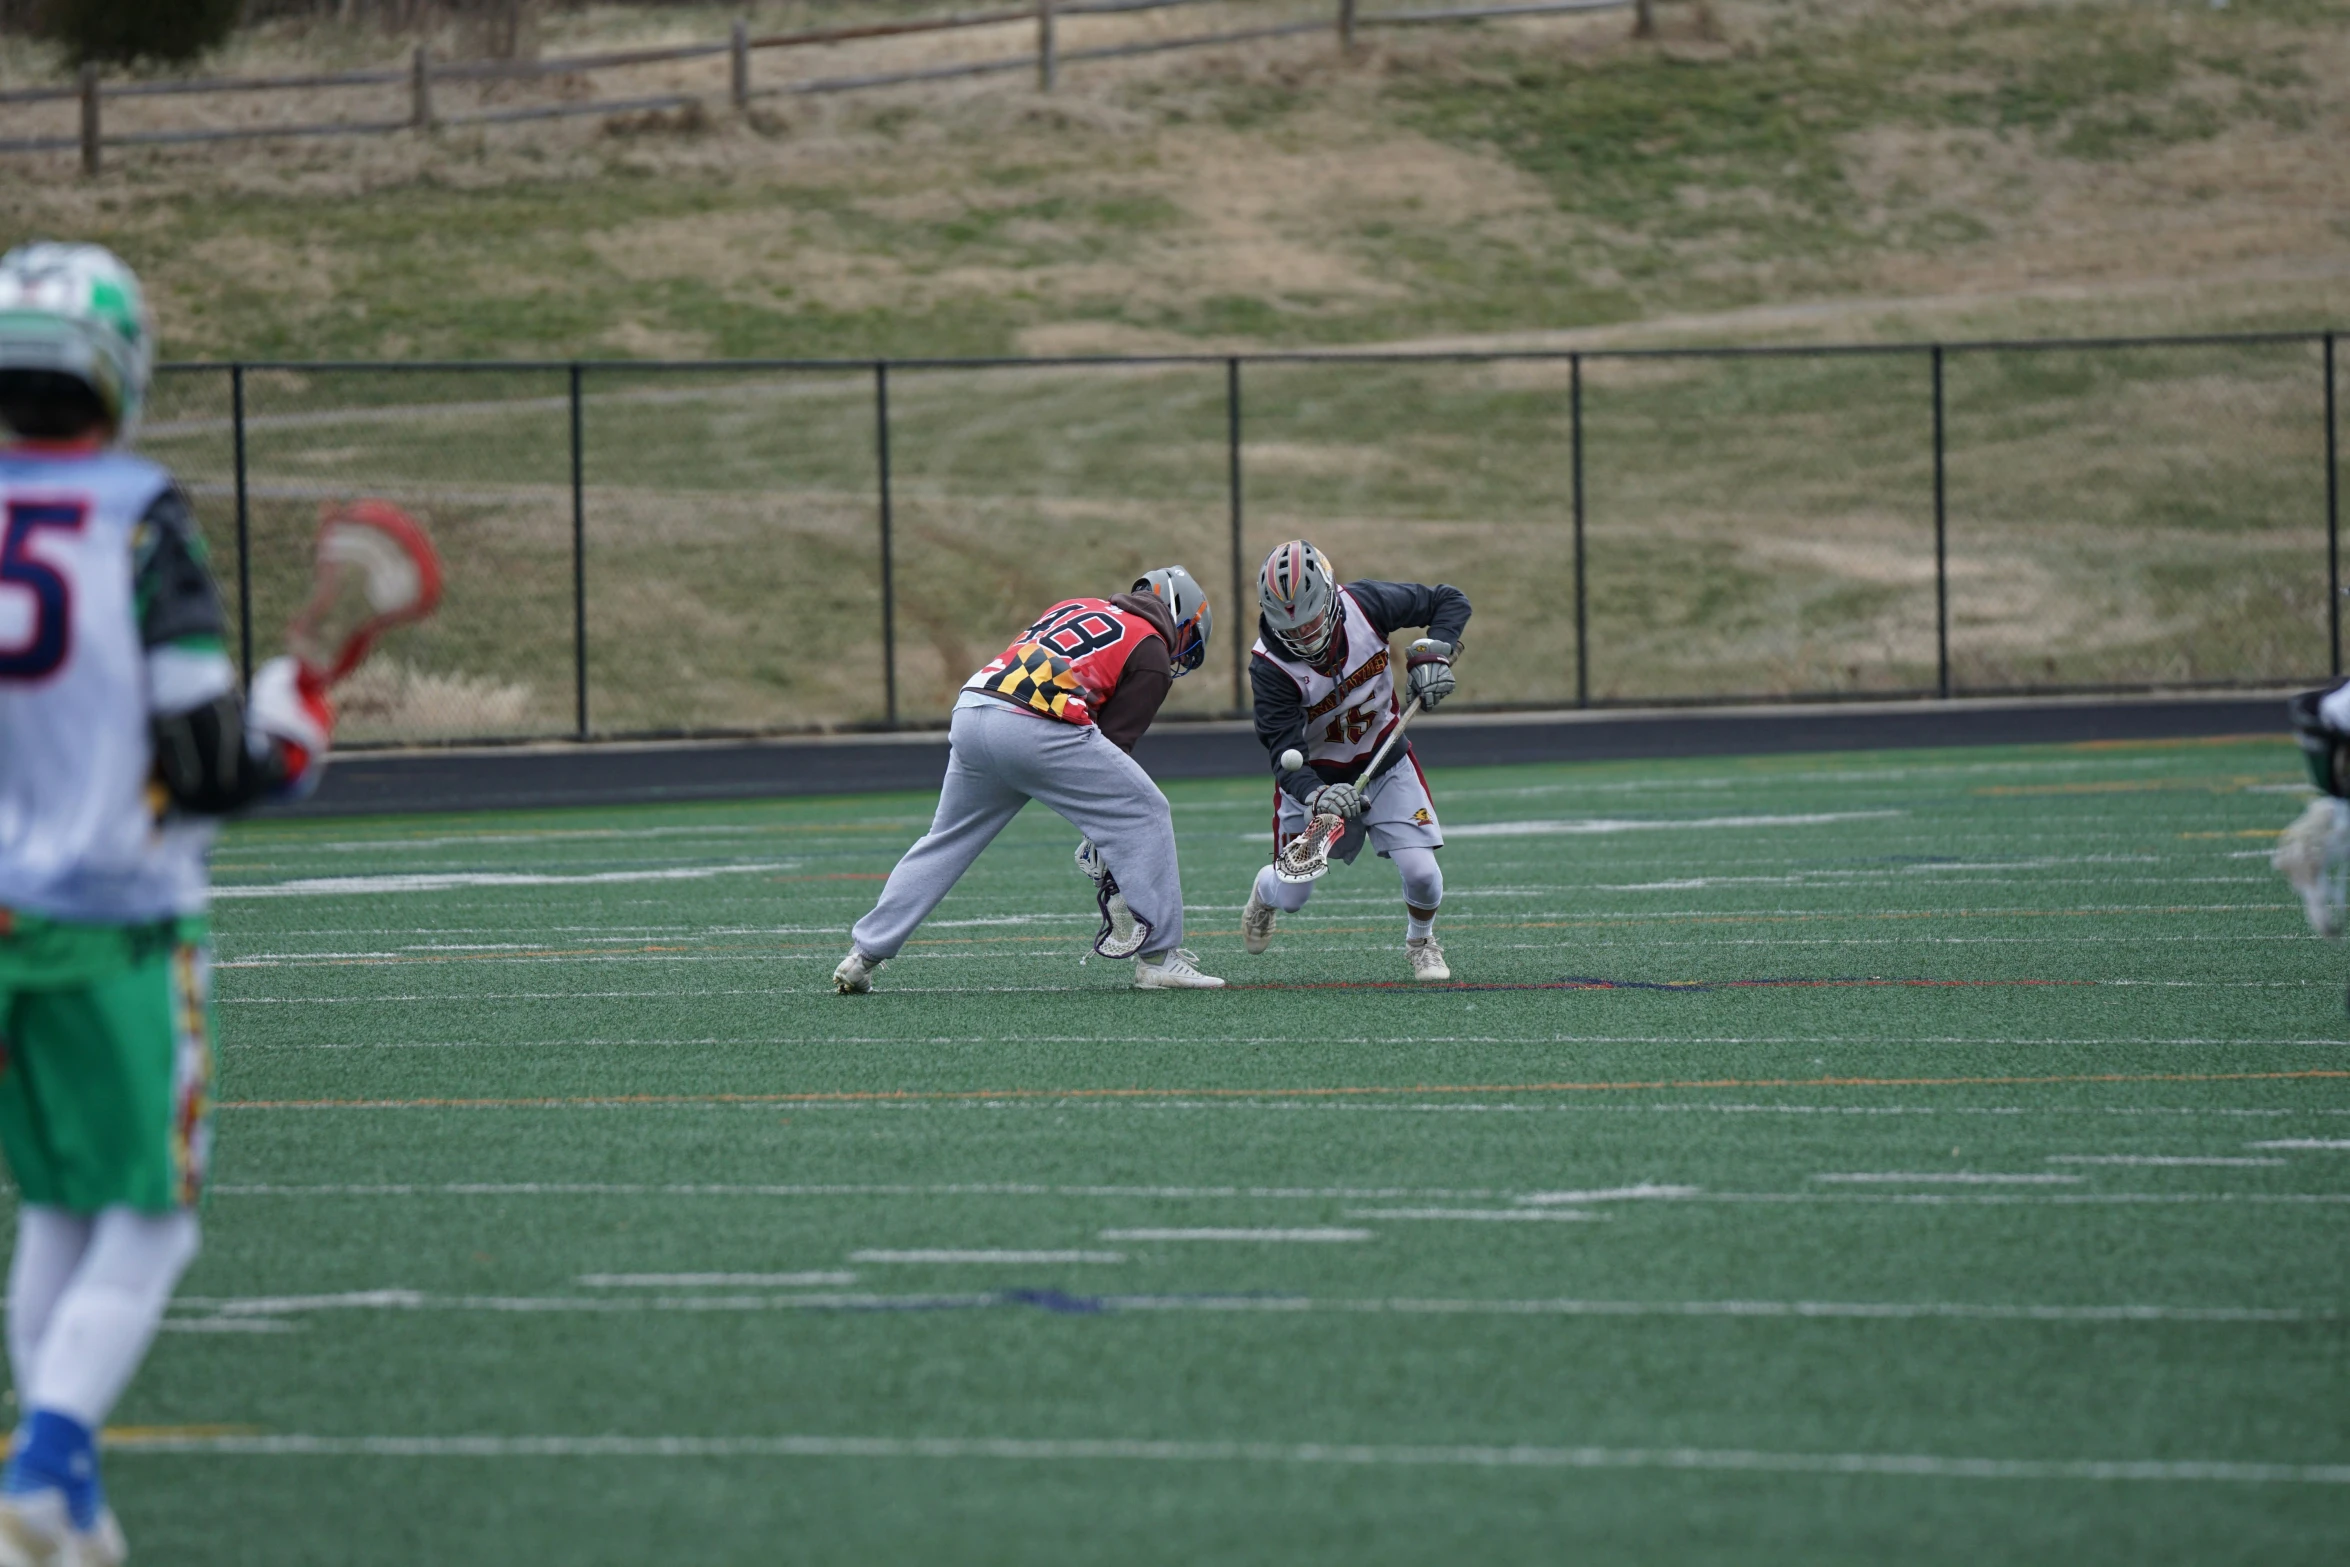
1323, 686
2314, 853
122, 741
1053, 719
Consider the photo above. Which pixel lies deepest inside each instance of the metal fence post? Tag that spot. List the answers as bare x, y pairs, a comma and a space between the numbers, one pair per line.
1238, 613
1346, 26
579, 664
236, 402
420, 90
2333, 516
91, 160
889, 601
1582, 602
738, 63
1048, 53
1941, 540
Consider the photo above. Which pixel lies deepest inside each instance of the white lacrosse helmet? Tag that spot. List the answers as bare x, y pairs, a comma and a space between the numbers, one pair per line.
74, 313
1187, 601
1297, 591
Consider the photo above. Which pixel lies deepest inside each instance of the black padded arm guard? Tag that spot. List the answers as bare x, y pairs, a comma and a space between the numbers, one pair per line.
205, 764
1394, 606
2325, 748
172, 576
1281, 724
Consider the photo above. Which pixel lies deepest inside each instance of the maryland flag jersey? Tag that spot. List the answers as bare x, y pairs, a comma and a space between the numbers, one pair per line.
1066, 663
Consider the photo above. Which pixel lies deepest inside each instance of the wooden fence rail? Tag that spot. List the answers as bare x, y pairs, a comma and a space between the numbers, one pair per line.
423, 73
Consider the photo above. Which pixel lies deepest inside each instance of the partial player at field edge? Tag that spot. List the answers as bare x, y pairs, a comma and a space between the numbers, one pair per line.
123, 740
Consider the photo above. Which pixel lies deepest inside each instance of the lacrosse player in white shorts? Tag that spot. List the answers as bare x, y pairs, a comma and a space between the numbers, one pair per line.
1053, 718
1324, 687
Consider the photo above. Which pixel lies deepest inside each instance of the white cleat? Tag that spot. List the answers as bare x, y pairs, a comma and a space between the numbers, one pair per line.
1174, 970
36, 1530
1256, 922
854, 977
1427, 955
102, 1544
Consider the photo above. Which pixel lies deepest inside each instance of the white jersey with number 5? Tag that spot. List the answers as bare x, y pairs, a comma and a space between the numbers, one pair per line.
1349, 713
79, 836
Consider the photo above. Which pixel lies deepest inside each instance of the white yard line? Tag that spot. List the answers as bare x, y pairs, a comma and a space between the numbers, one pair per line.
1600, 824
2303, 1143
446, 881
1645, 1191
461, 998
2160, 1159
1122, 1450
1476, 1215
715, 1280
861, 1189
1313, 1235
947, 1256
1948, 1178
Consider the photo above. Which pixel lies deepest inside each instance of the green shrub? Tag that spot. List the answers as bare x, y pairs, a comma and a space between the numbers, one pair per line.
123, 31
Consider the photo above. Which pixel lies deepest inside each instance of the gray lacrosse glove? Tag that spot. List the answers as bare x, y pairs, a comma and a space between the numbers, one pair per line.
1428, 670
1090, 864
1342, 800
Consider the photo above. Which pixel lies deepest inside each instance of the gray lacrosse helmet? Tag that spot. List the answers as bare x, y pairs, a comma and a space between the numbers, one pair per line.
1187, 601
1297, 592
75, 313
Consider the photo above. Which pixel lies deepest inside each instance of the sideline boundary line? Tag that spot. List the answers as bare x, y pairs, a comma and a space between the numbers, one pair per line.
1132, 1450
880, 1095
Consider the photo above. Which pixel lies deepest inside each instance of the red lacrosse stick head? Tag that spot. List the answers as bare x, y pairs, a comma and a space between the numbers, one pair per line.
373, 568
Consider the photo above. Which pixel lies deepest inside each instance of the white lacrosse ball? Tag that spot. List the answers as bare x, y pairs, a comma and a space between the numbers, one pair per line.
1292, 759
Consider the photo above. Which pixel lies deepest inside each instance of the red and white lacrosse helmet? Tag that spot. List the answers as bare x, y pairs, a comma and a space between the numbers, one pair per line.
1298, 593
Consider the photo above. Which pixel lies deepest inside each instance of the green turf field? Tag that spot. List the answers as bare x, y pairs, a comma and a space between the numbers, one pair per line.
1923, 1157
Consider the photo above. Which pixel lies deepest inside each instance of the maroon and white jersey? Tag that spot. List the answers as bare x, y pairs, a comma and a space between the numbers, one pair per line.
1349, 713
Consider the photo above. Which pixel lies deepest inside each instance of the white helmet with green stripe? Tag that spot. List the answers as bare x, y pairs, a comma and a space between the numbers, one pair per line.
73, 327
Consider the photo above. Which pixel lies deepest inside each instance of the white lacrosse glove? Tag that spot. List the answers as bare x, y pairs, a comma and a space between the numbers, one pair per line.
1090, 863
289, 706
1428, 670
1342, 800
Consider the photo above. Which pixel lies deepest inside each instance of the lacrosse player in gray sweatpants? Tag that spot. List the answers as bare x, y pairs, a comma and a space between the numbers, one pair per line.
1053, 719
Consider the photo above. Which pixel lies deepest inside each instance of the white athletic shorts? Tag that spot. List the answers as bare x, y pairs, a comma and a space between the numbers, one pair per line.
1397, 814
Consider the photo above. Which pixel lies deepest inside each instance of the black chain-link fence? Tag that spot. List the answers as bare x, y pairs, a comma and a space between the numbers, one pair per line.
671, 549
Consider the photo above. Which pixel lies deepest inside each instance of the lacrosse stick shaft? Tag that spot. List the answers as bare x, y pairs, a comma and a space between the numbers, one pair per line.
1405, 722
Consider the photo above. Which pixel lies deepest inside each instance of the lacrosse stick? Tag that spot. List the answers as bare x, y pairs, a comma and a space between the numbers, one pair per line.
1307, 856
373, 568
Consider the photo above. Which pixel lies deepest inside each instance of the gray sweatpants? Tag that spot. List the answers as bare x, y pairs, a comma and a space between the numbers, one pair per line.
1000, 759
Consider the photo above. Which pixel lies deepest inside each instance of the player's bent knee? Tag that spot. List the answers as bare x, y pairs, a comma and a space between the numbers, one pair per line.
1423, 878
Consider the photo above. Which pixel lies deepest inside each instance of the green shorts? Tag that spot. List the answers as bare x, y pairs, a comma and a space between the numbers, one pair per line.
106, 1061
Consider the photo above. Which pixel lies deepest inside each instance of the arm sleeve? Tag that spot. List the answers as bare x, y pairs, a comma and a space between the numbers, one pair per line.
172, 578
204, 757
1281, 723
1142, 686
1391, 606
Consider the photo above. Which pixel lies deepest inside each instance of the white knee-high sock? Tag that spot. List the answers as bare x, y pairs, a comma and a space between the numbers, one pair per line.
1423, 888
49, 1246
1287, 896
101, 1326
